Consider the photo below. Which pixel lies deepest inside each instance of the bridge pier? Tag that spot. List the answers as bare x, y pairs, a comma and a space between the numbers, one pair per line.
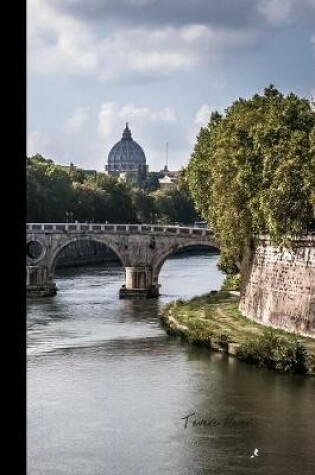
139, 283
39, 282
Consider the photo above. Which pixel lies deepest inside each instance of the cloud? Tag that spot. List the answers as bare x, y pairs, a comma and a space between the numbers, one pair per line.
107, 119
37, 142
201, 119
276, 11
131, 111
155, 12
112, 116
60, 42
126, 54
225, 13
124, 39
57, 42
203, 115
63, 148
75, 124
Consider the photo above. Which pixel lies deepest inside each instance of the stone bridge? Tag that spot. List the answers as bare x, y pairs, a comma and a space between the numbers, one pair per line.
141, 249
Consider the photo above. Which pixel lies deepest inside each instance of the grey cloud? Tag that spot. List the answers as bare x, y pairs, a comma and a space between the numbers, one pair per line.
168, 12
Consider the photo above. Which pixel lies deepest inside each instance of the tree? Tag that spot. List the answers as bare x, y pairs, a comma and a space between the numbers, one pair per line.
252, 172
174, 206
145, 206
85, 197
76, 174
151, 183
49, 190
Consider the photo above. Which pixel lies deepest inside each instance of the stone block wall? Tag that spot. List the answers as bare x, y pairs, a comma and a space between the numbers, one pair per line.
279, 287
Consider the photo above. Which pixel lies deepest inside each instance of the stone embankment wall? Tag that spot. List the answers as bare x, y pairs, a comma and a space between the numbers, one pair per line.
279, 286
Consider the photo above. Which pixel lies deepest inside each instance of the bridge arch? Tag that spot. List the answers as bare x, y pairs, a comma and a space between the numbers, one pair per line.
161, 258
67, 242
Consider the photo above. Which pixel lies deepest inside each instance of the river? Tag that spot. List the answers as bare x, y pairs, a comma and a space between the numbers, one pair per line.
108, 393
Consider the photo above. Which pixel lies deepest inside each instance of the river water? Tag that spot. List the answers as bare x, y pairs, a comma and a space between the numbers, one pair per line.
109, 393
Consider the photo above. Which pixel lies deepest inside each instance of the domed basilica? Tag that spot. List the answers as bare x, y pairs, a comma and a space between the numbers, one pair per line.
126, 157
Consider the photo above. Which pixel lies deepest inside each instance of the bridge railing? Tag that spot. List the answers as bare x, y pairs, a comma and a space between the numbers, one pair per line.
115, 228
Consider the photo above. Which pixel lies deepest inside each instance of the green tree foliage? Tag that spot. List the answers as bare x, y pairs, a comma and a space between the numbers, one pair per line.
252, 172
182, 181
311, 177
57, 193
145, 206
151, 183
174, 206
49, 190
76, 174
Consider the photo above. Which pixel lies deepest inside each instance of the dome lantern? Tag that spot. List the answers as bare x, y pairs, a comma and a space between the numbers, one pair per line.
127, 133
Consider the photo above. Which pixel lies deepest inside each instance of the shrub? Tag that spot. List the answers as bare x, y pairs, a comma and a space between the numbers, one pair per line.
272, 351
231, 282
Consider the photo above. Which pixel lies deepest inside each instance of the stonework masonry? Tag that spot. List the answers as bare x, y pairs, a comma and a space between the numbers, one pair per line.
279, 286
141, 250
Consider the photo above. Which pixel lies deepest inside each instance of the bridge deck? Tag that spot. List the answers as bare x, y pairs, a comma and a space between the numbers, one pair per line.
48, 228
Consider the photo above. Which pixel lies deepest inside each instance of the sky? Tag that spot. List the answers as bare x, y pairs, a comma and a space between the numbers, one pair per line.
161, 65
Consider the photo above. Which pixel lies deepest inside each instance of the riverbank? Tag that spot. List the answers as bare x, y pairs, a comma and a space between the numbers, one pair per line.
214, 321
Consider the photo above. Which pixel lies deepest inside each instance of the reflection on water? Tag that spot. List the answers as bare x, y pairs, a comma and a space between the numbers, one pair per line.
108, 390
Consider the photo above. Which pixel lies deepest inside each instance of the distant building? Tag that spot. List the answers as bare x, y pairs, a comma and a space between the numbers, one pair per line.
85, 173
90, 173
169, 180
126, 158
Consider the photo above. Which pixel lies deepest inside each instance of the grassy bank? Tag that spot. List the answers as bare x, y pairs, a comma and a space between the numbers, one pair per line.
214, 321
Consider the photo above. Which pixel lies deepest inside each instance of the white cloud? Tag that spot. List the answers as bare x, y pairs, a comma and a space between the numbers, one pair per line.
75, 124
59, 42
168, 49
37, 142
278, 12
131, 111
275, 11
203, 115
112, 116
107, 119
64, 148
